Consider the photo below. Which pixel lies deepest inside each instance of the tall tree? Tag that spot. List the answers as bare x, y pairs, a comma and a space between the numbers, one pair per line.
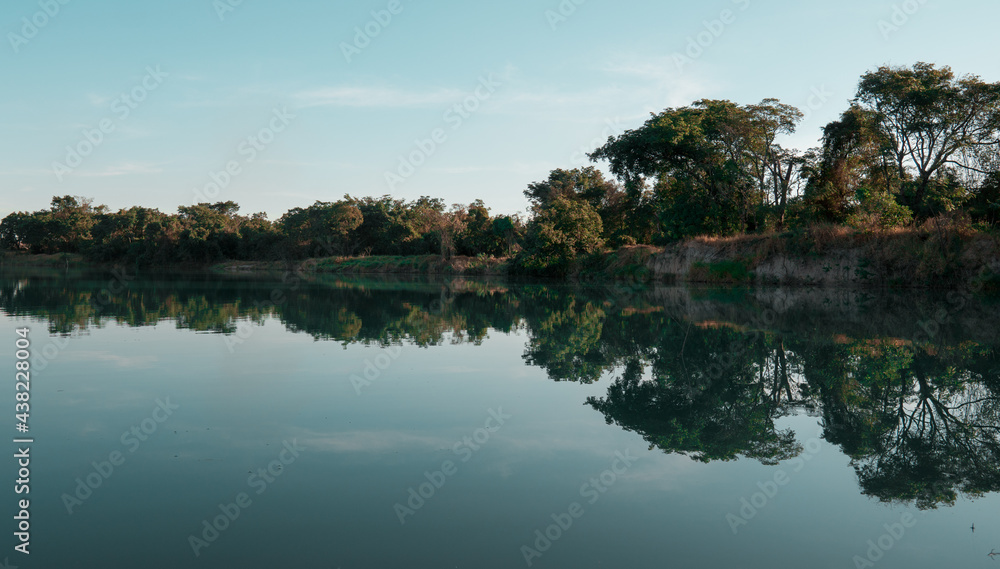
777, 169
715, 162
619, 217
932, 121
853, 156
323, 228
559, 233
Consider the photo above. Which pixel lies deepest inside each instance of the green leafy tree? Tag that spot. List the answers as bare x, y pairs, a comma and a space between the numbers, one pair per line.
984, 205
209, 232
932, 121
482, 234
122, 235
23, 231
622, 222
322, 229
385, 229
715, 164
853, 156
508, 230
69, 222
876, 211
558, 233
64, 228
776, 169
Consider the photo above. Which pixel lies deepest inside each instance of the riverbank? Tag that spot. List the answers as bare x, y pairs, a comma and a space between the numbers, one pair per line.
926, 257
57, 261
399, 265
824, 256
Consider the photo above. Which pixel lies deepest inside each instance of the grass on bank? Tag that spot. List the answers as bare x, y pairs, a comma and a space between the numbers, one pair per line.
57, 260
938, 253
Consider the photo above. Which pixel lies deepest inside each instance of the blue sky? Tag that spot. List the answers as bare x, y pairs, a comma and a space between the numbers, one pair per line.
265, 90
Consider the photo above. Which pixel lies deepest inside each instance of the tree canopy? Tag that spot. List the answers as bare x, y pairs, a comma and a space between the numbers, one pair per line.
915, 143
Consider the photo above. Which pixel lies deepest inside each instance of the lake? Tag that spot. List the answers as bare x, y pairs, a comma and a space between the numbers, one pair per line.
338, 423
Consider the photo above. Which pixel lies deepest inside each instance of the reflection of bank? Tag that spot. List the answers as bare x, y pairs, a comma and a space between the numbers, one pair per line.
957, 301
728, 417
445, 299
927, 432
916, 418
116, 285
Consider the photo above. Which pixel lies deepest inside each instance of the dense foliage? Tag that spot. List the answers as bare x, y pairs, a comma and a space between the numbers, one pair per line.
206, 232
916, 143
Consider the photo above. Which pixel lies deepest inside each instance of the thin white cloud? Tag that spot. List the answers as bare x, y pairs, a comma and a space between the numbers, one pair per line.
26, 172
297, 163
377, 97
660, 83
121, 170
626, 87
517, 167
98, 100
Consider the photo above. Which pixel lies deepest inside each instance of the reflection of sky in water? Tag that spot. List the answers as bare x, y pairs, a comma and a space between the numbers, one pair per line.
333, 506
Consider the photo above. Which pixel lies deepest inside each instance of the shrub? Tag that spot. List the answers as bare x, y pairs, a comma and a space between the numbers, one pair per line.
560, 231
877, 211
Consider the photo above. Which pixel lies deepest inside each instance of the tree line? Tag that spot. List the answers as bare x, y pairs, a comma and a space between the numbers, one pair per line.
210, 232
916, 143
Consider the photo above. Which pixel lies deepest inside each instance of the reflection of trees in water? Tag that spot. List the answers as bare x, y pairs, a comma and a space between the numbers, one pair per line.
722, 421
919, 423
696, 376
325, 310
713, 394
566, 342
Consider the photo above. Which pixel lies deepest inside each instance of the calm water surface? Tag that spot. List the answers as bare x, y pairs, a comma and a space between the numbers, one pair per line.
330, 423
